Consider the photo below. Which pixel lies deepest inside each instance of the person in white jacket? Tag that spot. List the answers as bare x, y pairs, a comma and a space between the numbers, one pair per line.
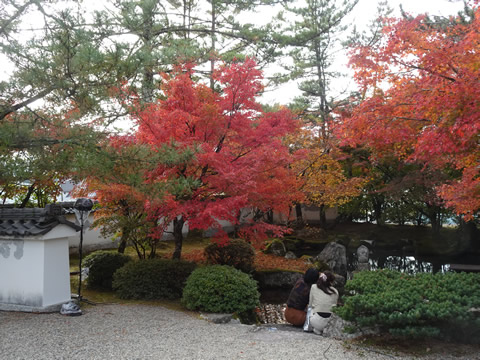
323, 297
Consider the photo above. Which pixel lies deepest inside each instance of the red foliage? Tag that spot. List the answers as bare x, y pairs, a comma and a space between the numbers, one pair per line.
422, 101
239, 160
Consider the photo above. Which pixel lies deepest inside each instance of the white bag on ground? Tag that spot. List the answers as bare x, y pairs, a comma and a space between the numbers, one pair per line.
307, 326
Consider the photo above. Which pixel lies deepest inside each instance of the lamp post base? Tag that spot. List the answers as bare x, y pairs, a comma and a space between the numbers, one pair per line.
80, 299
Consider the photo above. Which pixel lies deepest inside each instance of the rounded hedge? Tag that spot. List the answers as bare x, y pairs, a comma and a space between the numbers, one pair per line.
152, 279
101, 267
220, 288
237, 253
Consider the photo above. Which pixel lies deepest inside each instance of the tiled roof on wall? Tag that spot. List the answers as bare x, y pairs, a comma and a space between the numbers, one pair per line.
21, 222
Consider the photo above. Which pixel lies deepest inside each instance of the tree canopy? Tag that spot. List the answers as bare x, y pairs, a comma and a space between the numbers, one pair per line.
421, 101
233, 158
199, 147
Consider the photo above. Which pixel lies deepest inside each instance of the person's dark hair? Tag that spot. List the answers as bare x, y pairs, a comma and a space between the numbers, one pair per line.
311, 276
325, 282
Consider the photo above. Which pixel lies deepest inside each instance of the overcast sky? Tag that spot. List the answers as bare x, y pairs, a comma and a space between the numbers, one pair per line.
362, 14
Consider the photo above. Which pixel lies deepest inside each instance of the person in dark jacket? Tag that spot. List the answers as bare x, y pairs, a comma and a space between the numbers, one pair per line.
296, 310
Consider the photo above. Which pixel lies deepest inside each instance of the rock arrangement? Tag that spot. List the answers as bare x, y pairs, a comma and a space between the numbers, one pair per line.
271, 313
335, 256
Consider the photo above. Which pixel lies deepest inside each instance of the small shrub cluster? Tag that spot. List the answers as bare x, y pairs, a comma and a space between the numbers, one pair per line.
152, 279
101, 267
220, 288
237, 253
422, 305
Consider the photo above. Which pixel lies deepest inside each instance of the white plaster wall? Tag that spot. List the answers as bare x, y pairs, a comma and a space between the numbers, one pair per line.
56, 275
92, 238
35, 271
21, 266
312, 213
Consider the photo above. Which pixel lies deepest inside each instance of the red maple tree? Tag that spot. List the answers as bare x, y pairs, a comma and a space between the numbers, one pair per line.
220, 154
421, 101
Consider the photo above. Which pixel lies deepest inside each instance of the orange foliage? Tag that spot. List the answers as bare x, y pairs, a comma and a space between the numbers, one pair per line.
262, 261
272, 262
320, 172
421, 102
196, 256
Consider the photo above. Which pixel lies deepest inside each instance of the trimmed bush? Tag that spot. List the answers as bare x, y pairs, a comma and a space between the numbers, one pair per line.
222, 289
101, 267
237, 253
422, 305
152, 279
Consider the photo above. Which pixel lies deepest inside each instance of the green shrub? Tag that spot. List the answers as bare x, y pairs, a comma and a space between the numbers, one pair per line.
220, 288
101, 267
422, 305
152, 279
237, 253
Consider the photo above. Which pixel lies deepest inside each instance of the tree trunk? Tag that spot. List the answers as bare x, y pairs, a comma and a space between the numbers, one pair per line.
299, 216
212, 51
123, 243
436, 224
269, 216
434, 214
178, 236
148, 81
378, 210
323, 218
27, 196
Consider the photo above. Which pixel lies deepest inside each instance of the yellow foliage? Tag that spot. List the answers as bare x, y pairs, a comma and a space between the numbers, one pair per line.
323, 178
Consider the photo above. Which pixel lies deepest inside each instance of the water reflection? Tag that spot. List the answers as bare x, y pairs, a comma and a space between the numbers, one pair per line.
407, 264
400, 262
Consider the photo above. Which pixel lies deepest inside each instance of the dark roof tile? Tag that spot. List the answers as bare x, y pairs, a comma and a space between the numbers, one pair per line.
21, 222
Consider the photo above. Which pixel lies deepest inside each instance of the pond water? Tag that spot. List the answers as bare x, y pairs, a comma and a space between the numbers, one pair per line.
273, 300
411, 263
381, 259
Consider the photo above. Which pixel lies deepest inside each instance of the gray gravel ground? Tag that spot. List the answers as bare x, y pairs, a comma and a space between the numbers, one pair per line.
152, 332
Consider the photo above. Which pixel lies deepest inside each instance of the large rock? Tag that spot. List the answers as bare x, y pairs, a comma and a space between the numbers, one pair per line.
341, 329
290, 255
276, 247
337, 327
339, 284
335, 256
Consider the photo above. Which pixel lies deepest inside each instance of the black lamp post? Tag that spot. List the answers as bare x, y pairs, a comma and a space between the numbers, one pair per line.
82, 209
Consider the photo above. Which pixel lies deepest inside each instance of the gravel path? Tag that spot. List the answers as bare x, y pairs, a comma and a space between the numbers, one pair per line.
152, 332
